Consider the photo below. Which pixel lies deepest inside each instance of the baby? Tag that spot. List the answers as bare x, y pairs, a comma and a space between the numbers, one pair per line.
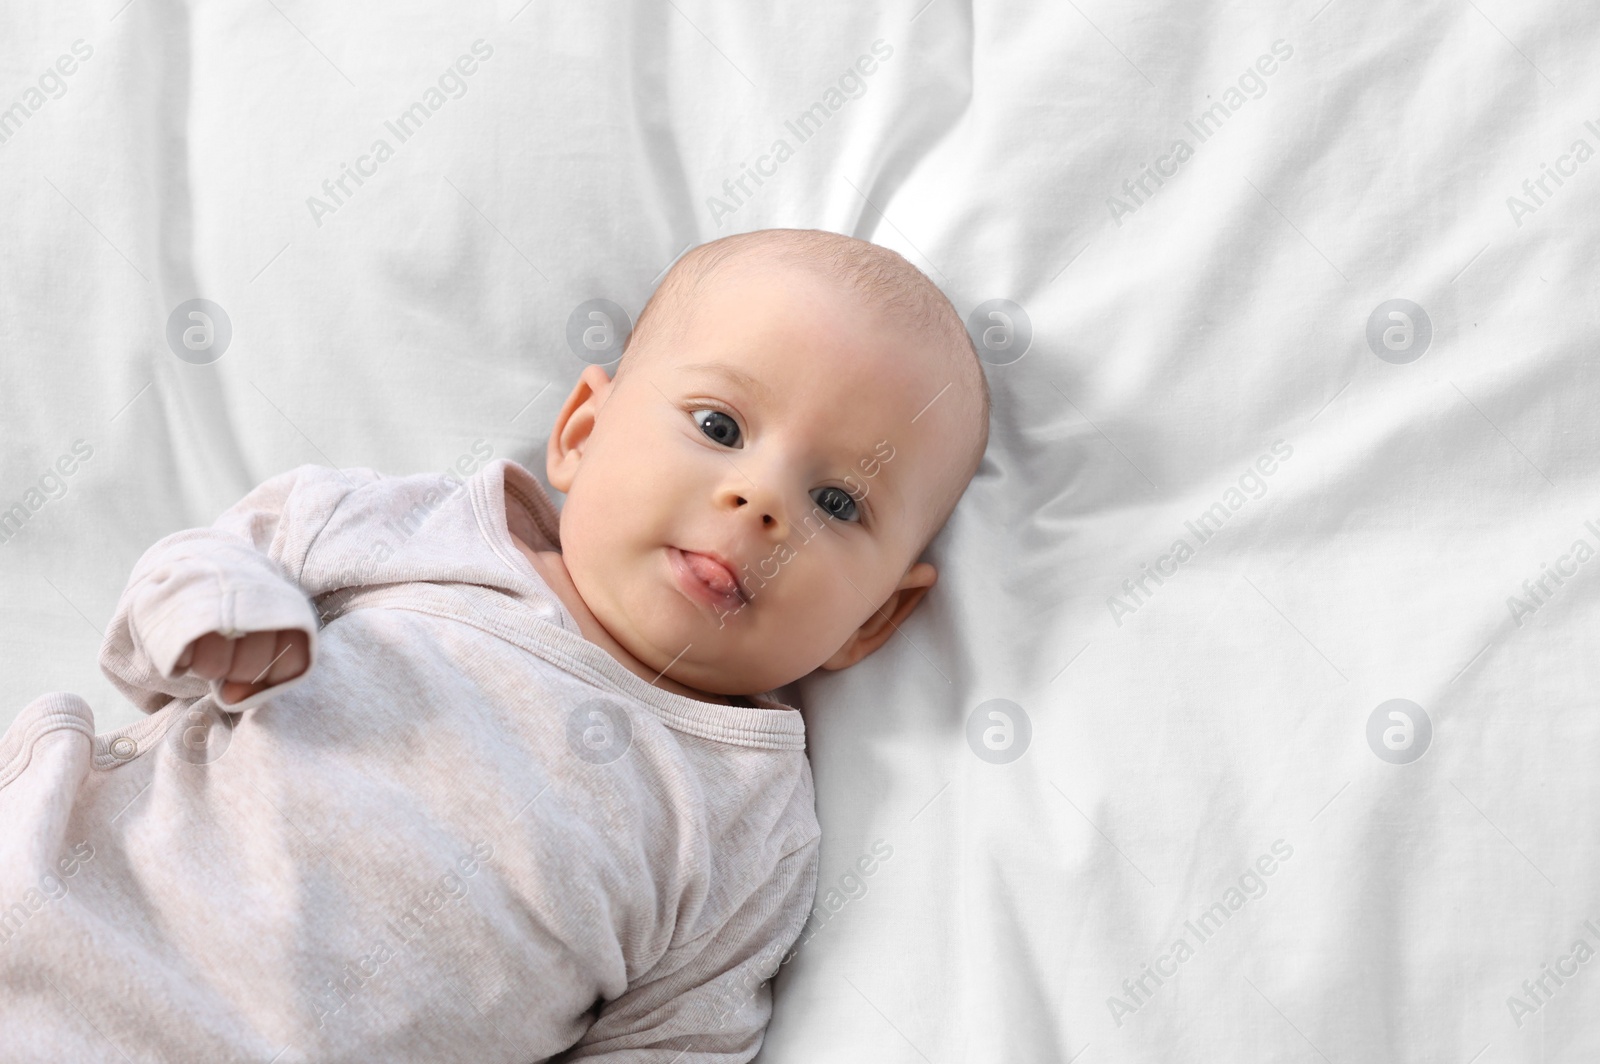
516, 786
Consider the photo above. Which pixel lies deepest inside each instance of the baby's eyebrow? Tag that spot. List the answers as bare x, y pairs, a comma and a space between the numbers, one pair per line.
734, 374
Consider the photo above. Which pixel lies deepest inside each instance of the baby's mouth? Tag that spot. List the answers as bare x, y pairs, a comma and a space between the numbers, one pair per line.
707, 578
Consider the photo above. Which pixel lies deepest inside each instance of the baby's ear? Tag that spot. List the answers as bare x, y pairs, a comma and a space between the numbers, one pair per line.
573, 427
878, 628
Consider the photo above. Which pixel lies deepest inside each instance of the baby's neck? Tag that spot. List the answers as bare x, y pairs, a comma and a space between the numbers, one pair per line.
553, 568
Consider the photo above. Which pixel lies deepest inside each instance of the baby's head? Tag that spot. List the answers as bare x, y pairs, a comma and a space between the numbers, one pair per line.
797, 410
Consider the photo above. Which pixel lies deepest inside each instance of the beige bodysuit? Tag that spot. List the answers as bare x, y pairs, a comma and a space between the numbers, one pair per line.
465, 833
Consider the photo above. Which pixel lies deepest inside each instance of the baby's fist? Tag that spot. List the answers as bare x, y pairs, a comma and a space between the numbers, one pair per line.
248, 663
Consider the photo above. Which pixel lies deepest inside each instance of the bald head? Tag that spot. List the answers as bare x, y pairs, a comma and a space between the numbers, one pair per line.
875, 276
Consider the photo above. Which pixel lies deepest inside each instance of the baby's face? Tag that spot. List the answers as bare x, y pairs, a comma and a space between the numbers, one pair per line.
755, 487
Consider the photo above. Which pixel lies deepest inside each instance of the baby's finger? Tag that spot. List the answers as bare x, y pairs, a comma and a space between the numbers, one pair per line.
212, 656
290, 657
237, 692
252, 654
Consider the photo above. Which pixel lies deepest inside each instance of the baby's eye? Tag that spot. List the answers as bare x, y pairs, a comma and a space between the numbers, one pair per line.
717, 426
836, 502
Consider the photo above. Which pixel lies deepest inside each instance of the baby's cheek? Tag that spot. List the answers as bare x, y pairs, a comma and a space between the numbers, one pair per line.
824, 617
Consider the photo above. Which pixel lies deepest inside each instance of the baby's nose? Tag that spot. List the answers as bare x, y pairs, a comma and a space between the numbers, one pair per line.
767, 520
749, 501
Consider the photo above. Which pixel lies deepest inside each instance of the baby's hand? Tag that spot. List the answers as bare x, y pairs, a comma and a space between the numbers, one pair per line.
248, 663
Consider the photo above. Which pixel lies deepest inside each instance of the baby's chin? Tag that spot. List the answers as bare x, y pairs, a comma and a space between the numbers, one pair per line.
709, 669
708, 664
709, 679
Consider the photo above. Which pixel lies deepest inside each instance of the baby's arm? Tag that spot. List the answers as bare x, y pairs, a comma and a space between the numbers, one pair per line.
706, 1001
204, 600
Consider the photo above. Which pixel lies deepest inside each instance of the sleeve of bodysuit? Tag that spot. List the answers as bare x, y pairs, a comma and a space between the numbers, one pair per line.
243, 574
707, 1001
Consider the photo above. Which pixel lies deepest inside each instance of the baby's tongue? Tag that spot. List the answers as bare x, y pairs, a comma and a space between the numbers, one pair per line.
710, 572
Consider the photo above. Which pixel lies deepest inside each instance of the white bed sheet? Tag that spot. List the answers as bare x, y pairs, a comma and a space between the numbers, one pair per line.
1179, 333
